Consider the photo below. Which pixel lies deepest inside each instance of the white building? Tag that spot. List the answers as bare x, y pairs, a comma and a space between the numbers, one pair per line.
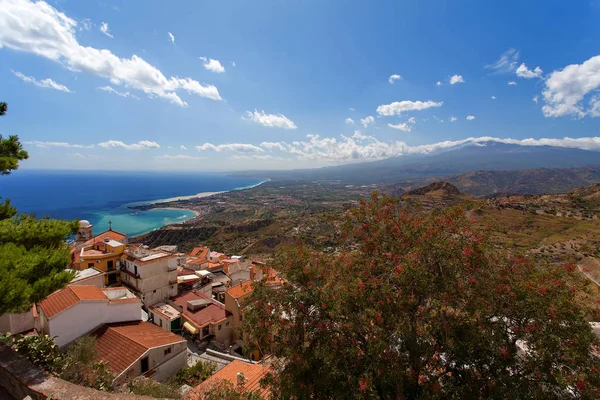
75, 311
17, 322
151, 273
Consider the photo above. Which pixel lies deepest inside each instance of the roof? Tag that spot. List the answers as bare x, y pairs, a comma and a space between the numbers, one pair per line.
166, 311
63, 299
211, 314
240, 290
85, 274
252, 372
200, 252
122, 344
110, 234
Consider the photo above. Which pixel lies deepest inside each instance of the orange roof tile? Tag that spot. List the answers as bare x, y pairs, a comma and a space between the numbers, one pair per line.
240, 290
200, 252
211, 314
122, 344
66, 298
252, 372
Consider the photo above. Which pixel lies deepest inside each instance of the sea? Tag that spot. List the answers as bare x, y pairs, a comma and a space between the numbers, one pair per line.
103, 196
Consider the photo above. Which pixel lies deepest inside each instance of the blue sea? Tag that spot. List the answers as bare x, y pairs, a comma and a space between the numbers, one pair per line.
100, 197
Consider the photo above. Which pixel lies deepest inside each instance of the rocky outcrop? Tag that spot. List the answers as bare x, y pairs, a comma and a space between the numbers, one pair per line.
439, 188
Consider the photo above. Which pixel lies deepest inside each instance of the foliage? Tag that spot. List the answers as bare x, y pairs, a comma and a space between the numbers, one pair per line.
420, 306
34, 253
81, 365
147, 387
40, 350
195, 374
224, 390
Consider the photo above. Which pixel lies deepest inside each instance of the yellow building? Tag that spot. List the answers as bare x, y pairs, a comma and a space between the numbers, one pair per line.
102, 252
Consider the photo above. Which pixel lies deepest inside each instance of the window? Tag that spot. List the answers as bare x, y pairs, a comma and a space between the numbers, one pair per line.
145, 365
160, 322
167, 351
152, 316
227, 323
90, 265
219, 327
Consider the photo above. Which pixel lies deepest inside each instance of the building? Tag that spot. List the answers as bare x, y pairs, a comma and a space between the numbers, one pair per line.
18, 322
242, 375
234, 299
165, 316
140, 348
204, 318
88, 277
151, 273
102, 252
74, 311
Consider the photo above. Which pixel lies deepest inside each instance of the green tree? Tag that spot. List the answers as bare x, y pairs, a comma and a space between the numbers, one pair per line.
81, 366
195, 374
421, 306
34, 252
225, 390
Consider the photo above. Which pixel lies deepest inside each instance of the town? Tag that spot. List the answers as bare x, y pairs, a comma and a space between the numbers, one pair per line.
152, 311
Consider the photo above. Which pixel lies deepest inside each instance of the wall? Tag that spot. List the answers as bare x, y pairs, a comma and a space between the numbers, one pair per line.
172, 364
232, 307
156, 357
225, 334
85, 316
21, 378
16, 323
96, 280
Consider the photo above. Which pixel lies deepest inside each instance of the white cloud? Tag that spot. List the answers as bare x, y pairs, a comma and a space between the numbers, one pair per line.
566, 89
83, 156
536, 99
401, 126
594, 107
453, 119
113, 91
213, 65
394, 78
270, 120
470, 118
507, 62
352, 109
273, 146
456, 79
438, 83
40, 29
512, 83
524, 72
85, 24
238, 147
399, 107
44, 83
38, 143
141, 145
182, 147
412, 120
104, 29
262, 157
366, 121
233, 64
349, 121
179, 157
494, 97
171, 37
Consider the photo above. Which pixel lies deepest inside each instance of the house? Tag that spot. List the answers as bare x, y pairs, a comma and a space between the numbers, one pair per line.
198, 258
18, 322
74, 311
234, 299
88, 277
151, 273
140, 348
242, 375
165, 316
204, 317
102, 252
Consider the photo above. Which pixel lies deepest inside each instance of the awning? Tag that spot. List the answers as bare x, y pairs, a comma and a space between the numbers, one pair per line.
190, 328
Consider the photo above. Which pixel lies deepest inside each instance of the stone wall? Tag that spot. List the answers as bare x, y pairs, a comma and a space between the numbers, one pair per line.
20, 378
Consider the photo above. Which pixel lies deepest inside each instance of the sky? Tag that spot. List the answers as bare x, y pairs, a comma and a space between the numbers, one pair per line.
216, 85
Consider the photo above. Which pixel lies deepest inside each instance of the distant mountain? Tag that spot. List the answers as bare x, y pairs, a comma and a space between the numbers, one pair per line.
531, 181
483, 156
437, 188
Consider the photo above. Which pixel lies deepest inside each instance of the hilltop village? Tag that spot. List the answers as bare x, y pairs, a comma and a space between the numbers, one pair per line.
153, 311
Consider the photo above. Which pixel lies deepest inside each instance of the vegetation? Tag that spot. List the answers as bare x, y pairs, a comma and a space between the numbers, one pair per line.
34, 253
424, 307
195, 374
224, 390
147, 387
79, 364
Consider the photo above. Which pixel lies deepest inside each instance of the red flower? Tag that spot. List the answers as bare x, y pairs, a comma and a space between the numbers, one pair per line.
467, 252
363, 384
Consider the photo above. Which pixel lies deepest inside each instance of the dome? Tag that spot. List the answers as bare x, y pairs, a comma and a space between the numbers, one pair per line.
84, 224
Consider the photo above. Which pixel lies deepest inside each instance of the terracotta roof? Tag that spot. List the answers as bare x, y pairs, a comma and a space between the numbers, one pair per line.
240, 290
252, 372
66, 298
185, 271
122, 344
213, 313
200, 252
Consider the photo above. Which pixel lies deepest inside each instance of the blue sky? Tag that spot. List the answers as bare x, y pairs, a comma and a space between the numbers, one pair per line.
234, 85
